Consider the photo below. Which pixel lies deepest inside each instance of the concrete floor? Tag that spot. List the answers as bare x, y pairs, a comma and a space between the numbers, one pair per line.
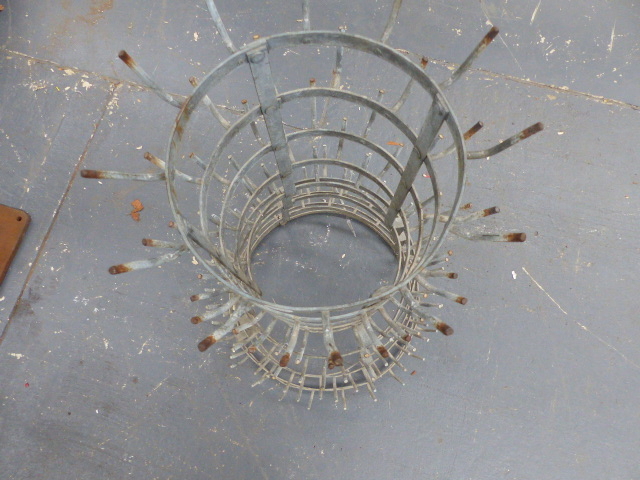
99, 375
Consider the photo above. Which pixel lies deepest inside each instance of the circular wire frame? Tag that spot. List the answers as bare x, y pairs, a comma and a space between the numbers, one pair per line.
403, 213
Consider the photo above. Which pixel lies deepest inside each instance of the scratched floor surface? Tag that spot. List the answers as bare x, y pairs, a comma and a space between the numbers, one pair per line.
100, 377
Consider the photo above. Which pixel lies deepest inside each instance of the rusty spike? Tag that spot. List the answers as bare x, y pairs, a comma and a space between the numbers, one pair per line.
383, 351
515, 237
116, 269
461, 300
490, 211
473, 130
196, 320
206, 343
533, 129
407, 338
91, 174
126, 58
493, 33
335, 360
284, 361
452, 275
444, 328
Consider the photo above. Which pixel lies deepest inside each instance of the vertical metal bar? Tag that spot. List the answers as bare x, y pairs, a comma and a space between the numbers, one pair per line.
222, 30
270, 105
306, 24
430, 128
335, 80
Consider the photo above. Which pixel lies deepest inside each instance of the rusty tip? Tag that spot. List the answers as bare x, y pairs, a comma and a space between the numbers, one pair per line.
453, 276
424, 61
516, 237
383, 351
116, 269
244, 102
444, 328
493, 33
285, 360
148, 156
466, 206
171, 224
206, 343
450, 252
407, 338
312, 81
533, 129
473, 130
147, 242
194, 298
126, 58
335, 360
461, 300
90, 174
491, 211
193, 81
252, 349
196, 320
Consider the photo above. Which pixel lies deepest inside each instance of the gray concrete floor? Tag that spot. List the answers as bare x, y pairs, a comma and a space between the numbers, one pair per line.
99, 375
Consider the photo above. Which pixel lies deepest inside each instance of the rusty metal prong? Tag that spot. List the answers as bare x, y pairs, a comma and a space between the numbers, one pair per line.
226, 327
439, 273
464, 66
201, 163
473, 130
291, 344
444, 328
443, 293
147, 80
407, 89
209, 315
111, 175
150, 242
476, 215
222, 30
509, 142
147, 263
391, 21
212, 108
334, 359
491, 237
306, 23
451, 148
161, 164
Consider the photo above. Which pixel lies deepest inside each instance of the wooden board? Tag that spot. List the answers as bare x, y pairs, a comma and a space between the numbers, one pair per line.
13, 224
